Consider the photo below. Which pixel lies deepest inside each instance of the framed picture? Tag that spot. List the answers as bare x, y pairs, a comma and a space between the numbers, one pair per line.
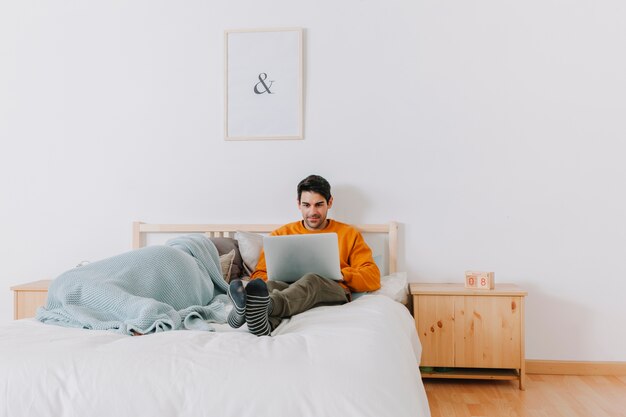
263, 84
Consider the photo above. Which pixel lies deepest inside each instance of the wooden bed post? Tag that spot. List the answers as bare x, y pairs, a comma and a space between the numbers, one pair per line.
393, 247
137, 241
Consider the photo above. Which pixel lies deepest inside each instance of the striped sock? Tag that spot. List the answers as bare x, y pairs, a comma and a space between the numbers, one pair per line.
237, 294
258, 305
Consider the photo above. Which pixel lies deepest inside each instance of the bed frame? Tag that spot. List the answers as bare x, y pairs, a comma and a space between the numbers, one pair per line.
141, 230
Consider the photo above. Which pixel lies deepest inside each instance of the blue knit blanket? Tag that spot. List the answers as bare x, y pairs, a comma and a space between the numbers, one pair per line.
153, 289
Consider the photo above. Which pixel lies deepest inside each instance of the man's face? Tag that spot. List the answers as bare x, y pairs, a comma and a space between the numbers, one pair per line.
314, 209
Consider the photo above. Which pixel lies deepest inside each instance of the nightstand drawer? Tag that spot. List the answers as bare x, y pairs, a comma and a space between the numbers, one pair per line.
28, 297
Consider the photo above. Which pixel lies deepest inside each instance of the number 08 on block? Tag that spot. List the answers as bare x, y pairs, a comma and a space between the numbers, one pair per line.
480, 280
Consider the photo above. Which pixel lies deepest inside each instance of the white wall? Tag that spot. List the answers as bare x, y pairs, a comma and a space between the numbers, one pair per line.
492, 130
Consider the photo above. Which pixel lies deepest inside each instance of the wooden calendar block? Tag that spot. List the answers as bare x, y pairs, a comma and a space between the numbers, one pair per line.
480, 280
470, 279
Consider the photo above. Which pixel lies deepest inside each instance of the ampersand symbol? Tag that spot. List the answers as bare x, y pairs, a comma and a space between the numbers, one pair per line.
262, 78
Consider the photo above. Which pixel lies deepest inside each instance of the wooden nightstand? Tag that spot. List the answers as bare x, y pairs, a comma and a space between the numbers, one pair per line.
467, 333
28, 297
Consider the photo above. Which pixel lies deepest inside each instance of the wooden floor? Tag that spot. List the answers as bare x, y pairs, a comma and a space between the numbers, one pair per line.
545, 396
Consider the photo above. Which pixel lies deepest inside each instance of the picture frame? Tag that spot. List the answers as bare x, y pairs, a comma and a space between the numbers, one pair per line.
263, 77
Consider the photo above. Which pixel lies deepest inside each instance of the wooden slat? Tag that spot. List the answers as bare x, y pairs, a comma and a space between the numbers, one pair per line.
200, 228
258, 228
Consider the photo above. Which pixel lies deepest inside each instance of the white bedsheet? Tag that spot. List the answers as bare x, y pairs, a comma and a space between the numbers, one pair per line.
359, 359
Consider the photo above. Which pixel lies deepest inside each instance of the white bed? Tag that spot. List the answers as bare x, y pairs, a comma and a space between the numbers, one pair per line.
358, 359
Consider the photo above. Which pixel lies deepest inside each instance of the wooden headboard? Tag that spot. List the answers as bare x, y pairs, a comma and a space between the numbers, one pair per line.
140, 230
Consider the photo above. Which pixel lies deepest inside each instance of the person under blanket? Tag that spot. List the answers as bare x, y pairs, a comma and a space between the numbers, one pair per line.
263, 304
153, 289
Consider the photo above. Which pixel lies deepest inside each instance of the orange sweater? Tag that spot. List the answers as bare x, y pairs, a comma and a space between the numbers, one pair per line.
360, 273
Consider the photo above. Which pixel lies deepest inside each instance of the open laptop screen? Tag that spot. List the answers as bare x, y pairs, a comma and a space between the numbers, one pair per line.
290, 257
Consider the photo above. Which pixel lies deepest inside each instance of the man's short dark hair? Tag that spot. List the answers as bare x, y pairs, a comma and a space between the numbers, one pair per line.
315, 184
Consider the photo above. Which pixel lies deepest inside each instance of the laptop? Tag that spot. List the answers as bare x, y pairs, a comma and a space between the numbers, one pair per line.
290, 257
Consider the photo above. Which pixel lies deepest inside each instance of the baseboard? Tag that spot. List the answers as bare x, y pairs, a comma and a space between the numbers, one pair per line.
575, 368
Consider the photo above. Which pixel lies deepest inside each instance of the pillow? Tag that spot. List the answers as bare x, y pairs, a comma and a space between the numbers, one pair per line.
224, 246
226, 262
250, 245
394, 286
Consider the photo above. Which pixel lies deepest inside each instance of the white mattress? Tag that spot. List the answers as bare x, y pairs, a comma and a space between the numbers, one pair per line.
359, 359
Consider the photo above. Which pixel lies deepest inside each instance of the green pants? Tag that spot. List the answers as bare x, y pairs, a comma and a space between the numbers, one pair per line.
309, 291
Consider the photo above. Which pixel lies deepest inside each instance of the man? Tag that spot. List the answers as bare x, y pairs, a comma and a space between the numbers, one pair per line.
263, 305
